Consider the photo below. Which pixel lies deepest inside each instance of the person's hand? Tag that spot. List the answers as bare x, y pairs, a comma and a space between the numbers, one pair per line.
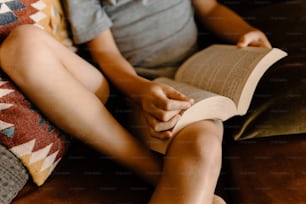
254, 38
162, 106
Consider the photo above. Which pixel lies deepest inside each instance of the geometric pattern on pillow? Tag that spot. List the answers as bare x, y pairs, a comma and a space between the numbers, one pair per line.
51, 18
28, 134
45, 14
23, 129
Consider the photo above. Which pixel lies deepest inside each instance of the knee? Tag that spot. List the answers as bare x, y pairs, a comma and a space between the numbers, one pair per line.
29, 32
202, 142
20, 37
24, 39
22, 46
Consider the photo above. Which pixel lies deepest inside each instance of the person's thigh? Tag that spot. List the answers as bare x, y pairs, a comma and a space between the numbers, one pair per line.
90, 76
33, 44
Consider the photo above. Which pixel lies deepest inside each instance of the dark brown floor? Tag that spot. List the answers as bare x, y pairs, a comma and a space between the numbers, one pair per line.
86, 177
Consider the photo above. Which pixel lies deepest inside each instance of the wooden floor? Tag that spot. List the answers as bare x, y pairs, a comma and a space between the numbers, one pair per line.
86, 177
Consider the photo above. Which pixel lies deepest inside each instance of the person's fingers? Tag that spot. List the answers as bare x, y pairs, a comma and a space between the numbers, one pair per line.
158, 112
165, 135
243, 42
159, 126
173, 100
165, 103
255, 39
164, 115
176, 95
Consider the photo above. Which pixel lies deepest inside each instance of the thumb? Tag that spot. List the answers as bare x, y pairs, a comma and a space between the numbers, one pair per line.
243, 42
178, 98
174, 94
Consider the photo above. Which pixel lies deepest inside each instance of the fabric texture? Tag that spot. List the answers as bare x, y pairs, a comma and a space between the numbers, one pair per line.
45, 14
28, 134
86, 23
155, 36
13, 175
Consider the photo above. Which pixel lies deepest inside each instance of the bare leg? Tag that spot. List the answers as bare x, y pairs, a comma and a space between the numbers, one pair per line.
218, 200
65, 88
192, 165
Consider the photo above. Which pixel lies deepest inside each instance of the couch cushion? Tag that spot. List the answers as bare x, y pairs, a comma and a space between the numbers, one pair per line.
13, 175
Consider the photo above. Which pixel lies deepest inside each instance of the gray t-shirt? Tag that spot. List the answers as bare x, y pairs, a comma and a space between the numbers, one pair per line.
155, 36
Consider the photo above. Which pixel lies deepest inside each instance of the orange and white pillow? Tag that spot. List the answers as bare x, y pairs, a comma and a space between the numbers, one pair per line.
45, 14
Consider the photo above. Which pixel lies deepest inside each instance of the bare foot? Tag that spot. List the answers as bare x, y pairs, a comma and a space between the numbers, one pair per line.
218, 200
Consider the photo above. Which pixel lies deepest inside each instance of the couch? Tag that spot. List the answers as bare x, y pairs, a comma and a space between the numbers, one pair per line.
260, 170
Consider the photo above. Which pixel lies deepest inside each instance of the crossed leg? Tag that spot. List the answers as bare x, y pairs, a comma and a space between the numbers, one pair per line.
71, 92
192, 166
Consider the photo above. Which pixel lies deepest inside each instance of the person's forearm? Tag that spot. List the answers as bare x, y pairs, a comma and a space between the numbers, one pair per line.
223, 22
114, 66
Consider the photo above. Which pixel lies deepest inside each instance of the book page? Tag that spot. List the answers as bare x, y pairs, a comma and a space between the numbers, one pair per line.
225, 69
189, 91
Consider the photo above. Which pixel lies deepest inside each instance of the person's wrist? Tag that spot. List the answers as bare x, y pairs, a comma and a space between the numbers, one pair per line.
138, 89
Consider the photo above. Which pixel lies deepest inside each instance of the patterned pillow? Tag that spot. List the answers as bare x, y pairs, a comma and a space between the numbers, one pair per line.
45, 14
23, 129
28, 134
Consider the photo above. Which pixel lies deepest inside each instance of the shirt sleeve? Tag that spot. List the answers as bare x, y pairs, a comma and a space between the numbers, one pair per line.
87, 19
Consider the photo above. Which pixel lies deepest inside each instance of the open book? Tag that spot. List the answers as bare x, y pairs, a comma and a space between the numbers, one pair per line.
222, 80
